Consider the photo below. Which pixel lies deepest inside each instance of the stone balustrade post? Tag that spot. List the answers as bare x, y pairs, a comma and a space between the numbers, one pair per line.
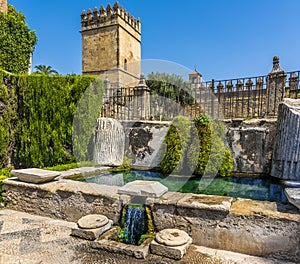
142, 97
276, 81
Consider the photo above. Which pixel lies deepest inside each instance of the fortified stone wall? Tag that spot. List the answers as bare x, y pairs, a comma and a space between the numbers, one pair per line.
111, 45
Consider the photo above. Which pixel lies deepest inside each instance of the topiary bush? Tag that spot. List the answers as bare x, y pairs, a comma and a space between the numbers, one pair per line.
176, 144
214, 157
197, 149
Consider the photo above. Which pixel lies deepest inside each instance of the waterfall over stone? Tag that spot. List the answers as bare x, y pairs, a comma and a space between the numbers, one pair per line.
109, 142
134, 224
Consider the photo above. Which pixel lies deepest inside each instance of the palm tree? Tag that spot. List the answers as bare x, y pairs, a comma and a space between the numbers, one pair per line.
45, 70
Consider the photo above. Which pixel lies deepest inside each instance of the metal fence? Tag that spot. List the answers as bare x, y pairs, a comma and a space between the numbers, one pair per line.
251, 97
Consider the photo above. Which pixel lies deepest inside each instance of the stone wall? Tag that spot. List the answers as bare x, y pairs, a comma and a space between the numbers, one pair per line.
3, 6
286, 155
240, 225
111, 45
144, 141
250, 142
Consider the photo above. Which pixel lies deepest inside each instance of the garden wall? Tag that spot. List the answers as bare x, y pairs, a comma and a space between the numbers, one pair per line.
250, 142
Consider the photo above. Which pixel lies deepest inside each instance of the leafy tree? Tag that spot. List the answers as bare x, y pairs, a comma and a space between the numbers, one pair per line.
45, 70
16, 42
169, 87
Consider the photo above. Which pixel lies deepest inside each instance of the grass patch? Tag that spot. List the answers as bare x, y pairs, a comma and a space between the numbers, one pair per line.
64, 167
4, 174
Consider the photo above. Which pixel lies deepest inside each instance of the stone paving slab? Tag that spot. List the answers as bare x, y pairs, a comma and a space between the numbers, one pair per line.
31, 239
35, 175
143, 188
293, 195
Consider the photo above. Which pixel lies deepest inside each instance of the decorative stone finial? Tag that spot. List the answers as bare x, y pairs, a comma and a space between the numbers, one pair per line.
89, 14
142, 80
109, 9
96, 12
83, 15
276, 68
102, 11
116, 6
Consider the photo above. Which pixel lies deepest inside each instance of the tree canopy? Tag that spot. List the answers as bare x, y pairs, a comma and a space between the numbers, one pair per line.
171, 86
16, 41
45, 70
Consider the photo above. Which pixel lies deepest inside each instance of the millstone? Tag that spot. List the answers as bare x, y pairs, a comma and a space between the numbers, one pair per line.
92, 221
172, 237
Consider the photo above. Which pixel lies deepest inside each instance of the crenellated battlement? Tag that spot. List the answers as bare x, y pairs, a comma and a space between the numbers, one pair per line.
99, 17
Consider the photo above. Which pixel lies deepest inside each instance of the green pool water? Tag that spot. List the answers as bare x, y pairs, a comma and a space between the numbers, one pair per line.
257, 189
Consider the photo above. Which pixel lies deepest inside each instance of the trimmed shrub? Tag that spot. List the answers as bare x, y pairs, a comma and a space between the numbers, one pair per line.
176, 144
36, 119
197, 149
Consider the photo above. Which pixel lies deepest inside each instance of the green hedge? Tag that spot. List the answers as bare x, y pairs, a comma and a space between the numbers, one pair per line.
176, 143
37, 120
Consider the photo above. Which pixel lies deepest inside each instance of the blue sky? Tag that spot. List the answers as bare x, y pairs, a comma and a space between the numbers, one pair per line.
223, 38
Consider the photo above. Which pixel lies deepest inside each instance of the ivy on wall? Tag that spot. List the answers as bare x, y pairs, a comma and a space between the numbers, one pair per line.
16, 42
37, 121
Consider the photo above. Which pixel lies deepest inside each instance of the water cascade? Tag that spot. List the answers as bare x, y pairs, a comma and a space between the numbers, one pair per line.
109, 142
136, 224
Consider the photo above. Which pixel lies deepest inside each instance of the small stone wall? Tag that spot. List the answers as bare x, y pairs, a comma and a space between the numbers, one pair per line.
143, 142
250, 142
240, 225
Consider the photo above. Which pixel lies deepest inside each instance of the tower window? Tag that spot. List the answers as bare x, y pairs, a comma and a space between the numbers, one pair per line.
125, 64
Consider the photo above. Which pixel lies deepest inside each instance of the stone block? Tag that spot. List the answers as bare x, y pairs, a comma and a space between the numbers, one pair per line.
293, 195
34, 175
91, 234
143, 188
171, 243
107, 243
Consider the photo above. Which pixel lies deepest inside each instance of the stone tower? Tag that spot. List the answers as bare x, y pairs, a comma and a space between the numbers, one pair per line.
3, 6
111, 45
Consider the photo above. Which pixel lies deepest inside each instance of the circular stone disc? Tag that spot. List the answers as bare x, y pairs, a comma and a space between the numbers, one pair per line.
172, 237
92, 221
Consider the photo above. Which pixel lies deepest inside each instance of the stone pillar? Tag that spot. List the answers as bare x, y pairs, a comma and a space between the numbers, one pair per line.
142, 97
109, 142
286, 153
276, 80
3, 6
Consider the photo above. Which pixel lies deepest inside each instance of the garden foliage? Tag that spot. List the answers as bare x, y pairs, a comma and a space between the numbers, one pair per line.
196, 148
36, 118
16, 42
